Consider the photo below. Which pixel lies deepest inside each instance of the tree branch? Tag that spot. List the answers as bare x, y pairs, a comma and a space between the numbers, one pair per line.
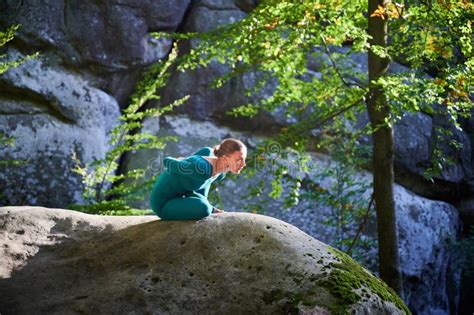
328, 52
361, 225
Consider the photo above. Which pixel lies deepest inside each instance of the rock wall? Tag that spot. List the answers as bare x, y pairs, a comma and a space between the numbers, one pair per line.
51, 113
91, 55
106, 45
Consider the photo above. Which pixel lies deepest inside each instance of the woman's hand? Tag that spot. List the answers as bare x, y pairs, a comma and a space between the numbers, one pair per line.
215, 210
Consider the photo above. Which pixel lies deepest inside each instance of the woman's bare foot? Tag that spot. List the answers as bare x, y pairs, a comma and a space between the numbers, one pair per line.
215, 210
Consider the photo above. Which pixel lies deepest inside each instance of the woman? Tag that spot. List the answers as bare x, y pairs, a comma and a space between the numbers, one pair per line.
180, 191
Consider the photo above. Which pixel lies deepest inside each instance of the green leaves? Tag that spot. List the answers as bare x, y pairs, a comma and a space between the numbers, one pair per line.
248, 110
8, 34
379, 51
5, 37
102, 188
6, 140
432, 32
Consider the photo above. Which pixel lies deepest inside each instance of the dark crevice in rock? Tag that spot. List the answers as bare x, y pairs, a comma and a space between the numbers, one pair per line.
246, 6
28, 46
437, 190
216, 8
65, 23
42, 104
127, 5
262, 125
186, 15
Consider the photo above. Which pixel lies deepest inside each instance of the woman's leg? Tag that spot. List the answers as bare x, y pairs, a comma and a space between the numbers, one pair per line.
192, 207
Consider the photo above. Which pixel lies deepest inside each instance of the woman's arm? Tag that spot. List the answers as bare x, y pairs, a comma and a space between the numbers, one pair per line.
177, 166
188, 166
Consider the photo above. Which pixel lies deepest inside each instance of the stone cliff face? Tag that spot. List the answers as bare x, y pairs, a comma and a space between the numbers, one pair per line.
68, 99
51, 113
57, 261
110, 34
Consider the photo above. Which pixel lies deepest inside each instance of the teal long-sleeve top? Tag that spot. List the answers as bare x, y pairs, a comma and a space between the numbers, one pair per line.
182, 177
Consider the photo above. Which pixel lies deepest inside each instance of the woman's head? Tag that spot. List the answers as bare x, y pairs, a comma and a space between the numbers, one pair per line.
232, 153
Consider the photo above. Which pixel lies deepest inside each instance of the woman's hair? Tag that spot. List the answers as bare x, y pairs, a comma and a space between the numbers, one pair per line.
228, 146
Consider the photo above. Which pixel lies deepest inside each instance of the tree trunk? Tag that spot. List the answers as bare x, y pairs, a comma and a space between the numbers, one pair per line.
378, 109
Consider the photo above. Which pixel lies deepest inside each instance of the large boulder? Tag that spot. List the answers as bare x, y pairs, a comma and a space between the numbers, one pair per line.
427, 229
51, 113
57, 261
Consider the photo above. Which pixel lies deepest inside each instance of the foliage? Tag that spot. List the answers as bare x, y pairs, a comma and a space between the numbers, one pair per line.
280, 39
276, 39
5, 142
98, 176
116, 207
289, 41
284, 165
5, 37
434, 39
346, 195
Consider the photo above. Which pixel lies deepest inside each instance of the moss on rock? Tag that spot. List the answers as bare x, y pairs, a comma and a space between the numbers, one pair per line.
346, 276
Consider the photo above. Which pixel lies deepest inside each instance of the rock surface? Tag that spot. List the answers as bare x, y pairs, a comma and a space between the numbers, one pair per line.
204, 100
58, 261
426, 232
110, 34
415, 140
51, 113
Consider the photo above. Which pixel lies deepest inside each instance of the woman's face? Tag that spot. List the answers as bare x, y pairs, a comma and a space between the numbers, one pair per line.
236, 161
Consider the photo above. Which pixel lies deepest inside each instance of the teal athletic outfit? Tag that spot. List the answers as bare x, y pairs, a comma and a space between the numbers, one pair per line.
180, 191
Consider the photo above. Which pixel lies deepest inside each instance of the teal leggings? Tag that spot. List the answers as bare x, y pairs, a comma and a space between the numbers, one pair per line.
193, 206
173, 196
